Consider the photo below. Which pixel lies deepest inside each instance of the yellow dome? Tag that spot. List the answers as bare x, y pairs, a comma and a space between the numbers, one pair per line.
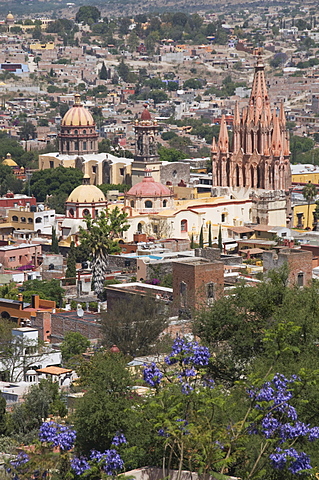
9, 162
78, 116
10, 16
86, 194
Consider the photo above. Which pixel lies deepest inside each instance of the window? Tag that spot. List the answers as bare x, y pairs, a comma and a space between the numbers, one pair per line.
71, 212
75, 132
84, 132
51, 164
12, 259
84, 146
122, 171
184, 226
300, 279
30, 220
86, 212
148, 204
14, 218
210, 290
164, 203
175, 173
76, 145
94, 169
132, 203
223, 217
38, 220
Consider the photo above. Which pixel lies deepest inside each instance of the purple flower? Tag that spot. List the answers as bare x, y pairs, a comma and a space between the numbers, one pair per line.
21, 459
58, 435
188, 353
152, 375
269, 426
118, 439
110, 460
79, 465
186, 388
162, 433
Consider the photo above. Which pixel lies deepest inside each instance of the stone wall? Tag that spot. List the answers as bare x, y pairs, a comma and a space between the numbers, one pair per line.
299, 264
174, 172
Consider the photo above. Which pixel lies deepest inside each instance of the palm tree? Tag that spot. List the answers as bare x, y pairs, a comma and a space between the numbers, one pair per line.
99, 238
309, 192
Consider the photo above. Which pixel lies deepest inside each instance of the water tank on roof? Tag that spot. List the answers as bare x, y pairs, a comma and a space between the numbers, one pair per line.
33, 208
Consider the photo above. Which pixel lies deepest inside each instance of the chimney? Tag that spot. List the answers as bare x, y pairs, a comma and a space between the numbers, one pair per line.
20, 297
35, 301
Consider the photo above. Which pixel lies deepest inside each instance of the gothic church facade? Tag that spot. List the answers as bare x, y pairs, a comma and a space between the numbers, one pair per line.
257, 163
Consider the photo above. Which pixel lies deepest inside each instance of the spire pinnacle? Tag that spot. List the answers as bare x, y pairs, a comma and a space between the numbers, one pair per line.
223, 139
276, 138
214, 146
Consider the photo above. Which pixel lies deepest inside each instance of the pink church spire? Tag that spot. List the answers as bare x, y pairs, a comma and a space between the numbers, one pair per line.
223, 139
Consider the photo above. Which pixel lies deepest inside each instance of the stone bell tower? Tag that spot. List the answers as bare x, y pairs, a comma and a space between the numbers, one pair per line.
146, 156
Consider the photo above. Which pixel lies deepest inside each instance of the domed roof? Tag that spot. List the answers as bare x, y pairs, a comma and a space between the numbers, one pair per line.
86, 194
78, 116
145, 115
9, 161
149, 188
9, 17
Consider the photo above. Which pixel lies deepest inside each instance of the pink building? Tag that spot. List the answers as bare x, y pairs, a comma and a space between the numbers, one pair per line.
15, 256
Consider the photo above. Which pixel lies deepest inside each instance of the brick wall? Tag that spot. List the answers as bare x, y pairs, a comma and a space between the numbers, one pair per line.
58, 324
299, 264
196, 283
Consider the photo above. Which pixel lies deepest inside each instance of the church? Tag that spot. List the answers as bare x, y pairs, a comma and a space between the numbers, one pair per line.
256, 163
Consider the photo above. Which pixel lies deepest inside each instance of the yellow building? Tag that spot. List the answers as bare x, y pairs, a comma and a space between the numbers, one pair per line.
42, 46
300, 218
304, 173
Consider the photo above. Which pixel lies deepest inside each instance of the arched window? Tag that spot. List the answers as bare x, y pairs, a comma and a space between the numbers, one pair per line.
86, 212
38, 220
23, 219
30, 220
164, 203
132, 203
148, 204
84, 146
184, 226
71, 212
76, 132
139, 227
84, 132
14, 218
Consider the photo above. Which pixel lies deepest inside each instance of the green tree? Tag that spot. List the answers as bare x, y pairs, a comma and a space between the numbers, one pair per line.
158, 96
99, 238
54, 242
99, 414
71, 262
74, 344
3, 419
210, 242
27, 131
103, 72
88, 14
192, 83
309, 192
57, 181
134, 325
40, 401
201, 238
220, 239
47, 289
170, 154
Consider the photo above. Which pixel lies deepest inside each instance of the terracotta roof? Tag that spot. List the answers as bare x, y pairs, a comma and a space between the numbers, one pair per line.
262, 228
240, 229
54, 370
252, 251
